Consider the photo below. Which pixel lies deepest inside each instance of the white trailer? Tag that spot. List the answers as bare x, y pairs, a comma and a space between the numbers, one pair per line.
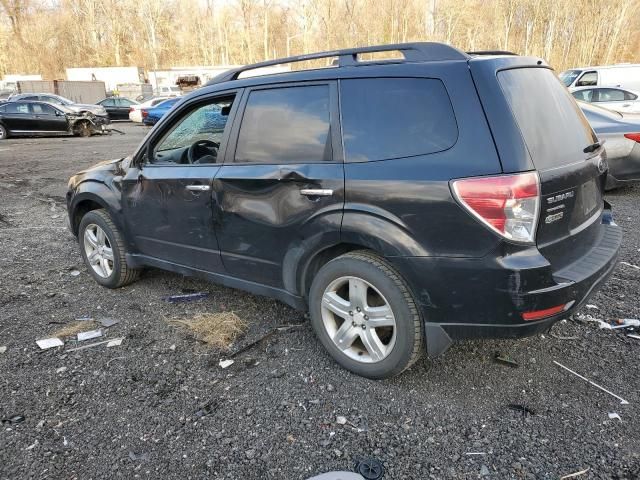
10, 82
111, 76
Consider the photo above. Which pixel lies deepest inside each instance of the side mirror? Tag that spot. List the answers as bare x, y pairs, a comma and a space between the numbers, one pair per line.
59, 113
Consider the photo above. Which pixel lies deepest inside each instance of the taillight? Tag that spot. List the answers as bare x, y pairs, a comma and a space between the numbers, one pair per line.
507, 204
633, 136
144, 114
131, 109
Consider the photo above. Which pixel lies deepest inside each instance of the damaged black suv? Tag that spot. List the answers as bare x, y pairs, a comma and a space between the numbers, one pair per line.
421, 199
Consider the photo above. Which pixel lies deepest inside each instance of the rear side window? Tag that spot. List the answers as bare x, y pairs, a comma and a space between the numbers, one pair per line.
630, 96
286, 125
16, 107
552, 125
610, 95
391, 118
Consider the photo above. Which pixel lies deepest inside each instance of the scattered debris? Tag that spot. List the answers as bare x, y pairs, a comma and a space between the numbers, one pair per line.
94, 344
74, 272
614, 415
108, 322
116, 342
82, 336
576, 474
226, 363
484, 471
627, 322
61, 370
622, 400
630, 265
264, 337
631, 335
592, 307
505, 360
73, 329
14, 419
206, 410
216, 329
135, 456
187, 297
476, 453
47, 343
341, 420
337, 476
521, 408
369, 468
3, 349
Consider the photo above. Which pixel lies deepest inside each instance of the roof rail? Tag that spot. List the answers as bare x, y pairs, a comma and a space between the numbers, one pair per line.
491, 52
413, 52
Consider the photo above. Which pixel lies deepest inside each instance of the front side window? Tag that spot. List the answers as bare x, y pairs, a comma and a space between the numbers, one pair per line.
286, 125
196, 137
589, 79
386, 118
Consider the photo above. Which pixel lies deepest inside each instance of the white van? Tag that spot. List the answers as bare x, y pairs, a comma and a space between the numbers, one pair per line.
622, 75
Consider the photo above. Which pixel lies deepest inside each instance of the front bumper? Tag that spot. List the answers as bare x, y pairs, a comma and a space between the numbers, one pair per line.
485, 298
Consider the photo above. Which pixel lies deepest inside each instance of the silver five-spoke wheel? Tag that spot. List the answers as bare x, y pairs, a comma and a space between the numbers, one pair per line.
358, 319
98, 250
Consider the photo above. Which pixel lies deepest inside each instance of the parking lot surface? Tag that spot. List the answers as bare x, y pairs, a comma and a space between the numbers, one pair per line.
160, 406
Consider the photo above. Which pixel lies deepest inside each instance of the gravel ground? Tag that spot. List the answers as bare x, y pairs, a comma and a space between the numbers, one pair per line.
159, 406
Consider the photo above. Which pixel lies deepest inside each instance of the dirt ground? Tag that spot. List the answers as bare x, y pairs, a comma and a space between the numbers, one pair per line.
159, 405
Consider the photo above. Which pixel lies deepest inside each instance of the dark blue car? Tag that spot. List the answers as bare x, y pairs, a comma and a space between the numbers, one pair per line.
150, 116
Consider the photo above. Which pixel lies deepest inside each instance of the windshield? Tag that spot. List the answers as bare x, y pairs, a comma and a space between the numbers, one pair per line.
567, 77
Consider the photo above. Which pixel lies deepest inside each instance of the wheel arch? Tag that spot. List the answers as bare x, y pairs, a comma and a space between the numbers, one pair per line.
93, 196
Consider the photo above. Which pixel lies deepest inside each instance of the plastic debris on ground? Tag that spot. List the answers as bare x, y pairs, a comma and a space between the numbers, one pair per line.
622, 400
47, 343
505, 360
592, 307
226, 363
338, 476
108, 322
369, 468
135, 456
3, 349
14, 419
614, 415
187, 297
82, 336
91, 345
630, 265
631, 335
115, 342
341, 420
575, 474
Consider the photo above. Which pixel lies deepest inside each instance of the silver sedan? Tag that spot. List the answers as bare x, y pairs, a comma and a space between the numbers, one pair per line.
621, 136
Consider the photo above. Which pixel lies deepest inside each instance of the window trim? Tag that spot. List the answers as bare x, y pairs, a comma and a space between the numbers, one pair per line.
141, 156
334, 123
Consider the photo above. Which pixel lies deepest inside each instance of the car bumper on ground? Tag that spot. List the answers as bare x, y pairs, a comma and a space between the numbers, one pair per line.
493, 296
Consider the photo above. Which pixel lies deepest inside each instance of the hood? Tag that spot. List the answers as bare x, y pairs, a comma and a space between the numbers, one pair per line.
101, 172
85, 107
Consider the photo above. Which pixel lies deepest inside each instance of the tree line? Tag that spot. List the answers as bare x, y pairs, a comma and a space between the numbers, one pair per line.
47, 36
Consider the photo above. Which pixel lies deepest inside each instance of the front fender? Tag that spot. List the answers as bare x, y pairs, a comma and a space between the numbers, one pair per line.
93, 192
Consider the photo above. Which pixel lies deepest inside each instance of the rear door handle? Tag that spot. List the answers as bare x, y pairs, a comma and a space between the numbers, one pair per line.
316, 192
198, 188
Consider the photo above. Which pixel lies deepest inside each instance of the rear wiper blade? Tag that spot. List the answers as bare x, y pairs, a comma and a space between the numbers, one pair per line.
592, 148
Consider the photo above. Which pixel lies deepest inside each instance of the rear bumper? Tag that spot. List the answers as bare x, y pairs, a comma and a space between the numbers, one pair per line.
485, 298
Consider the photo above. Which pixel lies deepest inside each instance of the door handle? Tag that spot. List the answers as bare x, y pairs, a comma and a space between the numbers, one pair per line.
198, 188
316, 192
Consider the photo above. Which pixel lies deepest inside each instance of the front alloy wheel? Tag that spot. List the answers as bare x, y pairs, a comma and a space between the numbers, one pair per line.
98, 250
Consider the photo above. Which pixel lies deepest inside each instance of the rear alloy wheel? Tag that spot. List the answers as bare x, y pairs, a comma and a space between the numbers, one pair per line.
103, 251
365, 316
3, 133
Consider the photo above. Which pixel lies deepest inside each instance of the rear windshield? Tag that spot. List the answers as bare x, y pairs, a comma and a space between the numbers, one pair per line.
554, 129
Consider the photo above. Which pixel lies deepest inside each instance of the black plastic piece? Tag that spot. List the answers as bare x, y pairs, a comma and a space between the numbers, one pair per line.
370, 468
491, 52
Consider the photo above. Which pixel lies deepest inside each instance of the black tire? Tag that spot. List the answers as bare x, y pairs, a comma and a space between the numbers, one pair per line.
122, 274
380, 274
3, 133
82, 128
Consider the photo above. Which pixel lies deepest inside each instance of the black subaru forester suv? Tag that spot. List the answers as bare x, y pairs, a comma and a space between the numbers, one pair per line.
422, 199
